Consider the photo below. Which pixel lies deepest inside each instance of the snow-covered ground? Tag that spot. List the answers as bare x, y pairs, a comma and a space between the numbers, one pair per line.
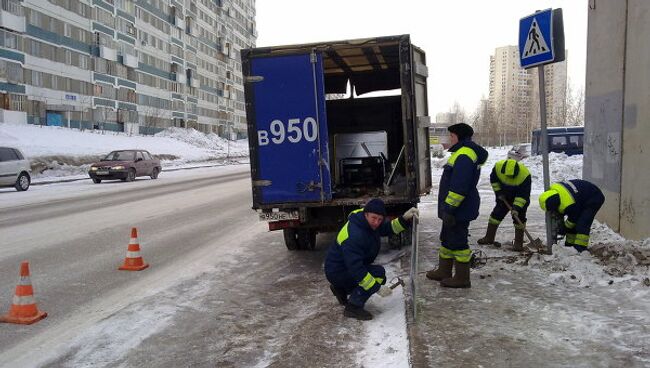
57, 152
617, 268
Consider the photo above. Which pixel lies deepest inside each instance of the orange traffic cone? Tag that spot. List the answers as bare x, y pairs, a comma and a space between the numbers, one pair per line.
133, 260
23, 309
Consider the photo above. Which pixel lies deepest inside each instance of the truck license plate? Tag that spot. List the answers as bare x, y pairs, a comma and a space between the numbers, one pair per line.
278, 216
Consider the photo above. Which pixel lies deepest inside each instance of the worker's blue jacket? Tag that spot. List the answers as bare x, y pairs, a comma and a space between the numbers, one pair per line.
579, 202
357, 246
512, 179
457, 193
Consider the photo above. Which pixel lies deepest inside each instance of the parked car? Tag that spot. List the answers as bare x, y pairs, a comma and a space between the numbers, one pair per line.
519, 151
125, 165
14, 169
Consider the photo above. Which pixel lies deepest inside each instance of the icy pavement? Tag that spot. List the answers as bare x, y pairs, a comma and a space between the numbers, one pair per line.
560, 310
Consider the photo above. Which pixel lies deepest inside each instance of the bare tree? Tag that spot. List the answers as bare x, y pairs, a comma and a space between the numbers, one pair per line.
458, 113
576, 109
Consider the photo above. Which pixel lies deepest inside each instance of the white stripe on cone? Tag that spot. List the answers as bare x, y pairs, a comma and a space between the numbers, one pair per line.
24, 300
132, 254
24, 280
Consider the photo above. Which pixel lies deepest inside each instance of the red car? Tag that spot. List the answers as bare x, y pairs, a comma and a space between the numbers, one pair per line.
125, 165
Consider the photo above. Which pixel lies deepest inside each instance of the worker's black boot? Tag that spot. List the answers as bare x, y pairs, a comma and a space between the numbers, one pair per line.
443, 271
352, 311
340, 295
460, 279
518, 244
489, 235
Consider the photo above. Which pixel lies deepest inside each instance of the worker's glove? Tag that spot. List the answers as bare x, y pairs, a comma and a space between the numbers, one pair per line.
384, 291
516, 211
412, 212
448, 219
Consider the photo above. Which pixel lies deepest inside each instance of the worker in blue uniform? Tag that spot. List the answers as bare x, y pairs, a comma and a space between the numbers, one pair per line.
578, 200
348, 265
510, 182
458, 204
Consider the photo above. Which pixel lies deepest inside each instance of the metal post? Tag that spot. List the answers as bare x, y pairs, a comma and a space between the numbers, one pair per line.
544, 138
414, 265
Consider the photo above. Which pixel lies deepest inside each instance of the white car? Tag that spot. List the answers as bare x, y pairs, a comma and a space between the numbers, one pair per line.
519, 151
14, 169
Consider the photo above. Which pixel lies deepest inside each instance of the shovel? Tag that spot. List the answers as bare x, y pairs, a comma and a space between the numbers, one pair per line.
535, 243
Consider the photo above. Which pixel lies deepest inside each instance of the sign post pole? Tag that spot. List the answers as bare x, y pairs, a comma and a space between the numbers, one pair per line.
545, 166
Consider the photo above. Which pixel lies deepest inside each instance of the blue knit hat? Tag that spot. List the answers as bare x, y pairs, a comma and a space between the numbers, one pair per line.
375, 206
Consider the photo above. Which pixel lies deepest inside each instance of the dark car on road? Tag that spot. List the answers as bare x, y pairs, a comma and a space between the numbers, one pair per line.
125, 165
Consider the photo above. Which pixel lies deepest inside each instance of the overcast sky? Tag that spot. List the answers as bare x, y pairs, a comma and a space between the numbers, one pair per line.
458, 35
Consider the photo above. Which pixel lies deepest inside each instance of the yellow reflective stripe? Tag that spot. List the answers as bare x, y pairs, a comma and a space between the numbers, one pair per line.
462, 256
396, 226
569, 225
379, 280
519, 202
494, 221
367, 282
454, 199
582, 239
355, 211
571, 238
566, 199
446, 253
509, 179
496, 187
343, 234
462, 151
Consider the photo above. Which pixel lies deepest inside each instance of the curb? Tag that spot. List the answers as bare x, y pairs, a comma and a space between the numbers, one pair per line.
63, 180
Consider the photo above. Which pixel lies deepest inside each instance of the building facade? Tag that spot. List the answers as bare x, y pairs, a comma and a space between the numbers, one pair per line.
137, 66
617, 113
513, 102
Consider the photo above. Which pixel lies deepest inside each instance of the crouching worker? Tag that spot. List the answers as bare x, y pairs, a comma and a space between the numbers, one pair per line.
579, 200
511, 183
458, 204
348, 265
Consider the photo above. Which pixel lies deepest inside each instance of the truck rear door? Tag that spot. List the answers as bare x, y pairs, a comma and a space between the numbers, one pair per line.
289, 139
422, 120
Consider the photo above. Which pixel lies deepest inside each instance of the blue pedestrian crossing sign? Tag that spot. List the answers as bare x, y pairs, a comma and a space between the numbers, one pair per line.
536, 45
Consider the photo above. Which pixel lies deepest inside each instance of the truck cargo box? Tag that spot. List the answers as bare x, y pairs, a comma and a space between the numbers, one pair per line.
319, 147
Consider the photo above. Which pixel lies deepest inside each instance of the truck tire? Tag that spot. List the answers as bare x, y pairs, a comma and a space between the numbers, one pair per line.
290, 239
307, 239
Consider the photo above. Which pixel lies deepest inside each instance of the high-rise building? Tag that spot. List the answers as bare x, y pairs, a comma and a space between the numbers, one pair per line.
125, 65
513, 101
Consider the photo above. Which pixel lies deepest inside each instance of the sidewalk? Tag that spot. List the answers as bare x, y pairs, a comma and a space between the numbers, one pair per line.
557, 311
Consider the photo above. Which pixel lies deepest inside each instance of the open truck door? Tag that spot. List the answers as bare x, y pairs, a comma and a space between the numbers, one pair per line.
288, 129
422, 120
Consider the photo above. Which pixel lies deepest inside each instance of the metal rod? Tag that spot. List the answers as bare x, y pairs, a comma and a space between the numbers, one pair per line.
550, 240
414, 265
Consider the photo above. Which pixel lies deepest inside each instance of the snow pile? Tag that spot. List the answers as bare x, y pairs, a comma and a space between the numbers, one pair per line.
561, 167
61, 152
210, 141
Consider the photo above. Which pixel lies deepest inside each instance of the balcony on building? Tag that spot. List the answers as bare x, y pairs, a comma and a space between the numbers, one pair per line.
12, 16
107, 53
130, 60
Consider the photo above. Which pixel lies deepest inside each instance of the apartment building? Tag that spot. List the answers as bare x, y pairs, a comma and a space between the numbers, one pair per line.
125, 65
513, 101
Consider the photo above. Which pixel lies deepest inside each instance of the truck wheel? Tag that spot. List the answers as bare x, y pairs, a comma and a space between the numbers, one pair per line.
290, 239
307, 239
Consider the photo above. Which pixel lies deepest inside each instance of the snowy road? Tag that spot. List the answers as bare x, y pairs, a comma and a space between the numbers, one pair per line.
221, 290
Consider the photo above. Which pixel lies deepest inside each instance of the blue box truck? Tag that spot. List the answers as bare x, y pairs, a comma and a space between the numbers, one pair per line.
331, 125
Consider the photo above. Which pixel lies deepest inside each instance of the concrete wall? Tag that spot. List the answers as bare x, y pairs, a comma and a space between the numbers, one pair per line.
617, 112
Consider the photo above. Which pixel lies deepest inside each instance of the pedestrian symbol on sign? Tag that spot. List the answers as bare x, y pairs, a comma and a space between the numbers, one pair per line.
535, 43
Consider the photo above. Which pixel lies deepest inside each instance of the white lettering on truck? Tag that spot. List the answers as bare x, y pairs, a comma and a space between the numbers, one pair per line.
294, 132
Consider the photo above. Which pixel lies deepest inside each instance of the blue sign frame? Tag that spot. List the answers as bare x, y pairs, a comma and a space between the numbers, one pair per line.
528, 31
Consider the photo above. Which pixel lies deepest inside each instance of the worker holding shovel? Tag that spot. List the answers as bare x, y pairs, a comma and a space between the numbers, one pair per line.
511, 183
